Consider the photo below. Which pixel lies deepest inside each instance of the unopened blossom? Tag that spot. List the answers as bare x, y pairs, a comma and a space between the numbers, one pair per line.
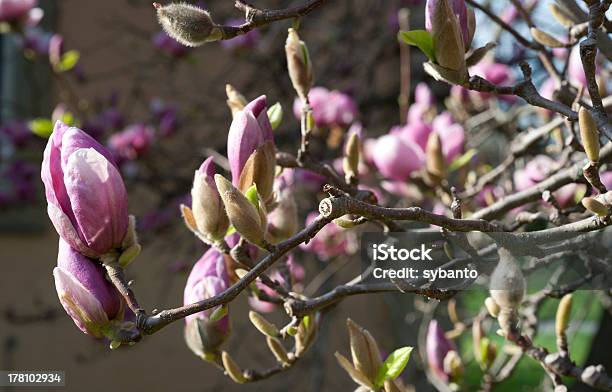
208, 210
83, 290
331, 241
452, 135
168, 45
438, 347
87, 200
132, 142
396, 159
207, 278
329, 108
250, 139
459, 9
414, 132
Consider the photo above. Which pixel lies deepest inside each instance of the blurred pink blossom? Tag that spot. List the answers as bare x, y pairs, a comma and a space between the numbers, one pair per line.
329, 108
331, 241
132, 142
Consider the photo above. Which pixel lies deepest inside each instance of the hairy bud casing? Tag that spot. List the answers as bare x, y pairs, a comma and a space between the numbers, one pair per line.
188, 24
232, 368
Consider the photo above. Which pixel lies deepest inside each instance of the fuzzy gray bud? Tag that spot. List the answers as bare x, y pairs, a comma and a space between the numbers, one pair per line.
188, 24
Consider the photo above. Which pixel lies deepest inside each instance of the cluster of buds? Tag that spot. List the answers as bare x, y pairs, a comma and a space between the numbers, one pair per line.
507, 289
442, 355
87, 204
207, 330
367, 368
303, 336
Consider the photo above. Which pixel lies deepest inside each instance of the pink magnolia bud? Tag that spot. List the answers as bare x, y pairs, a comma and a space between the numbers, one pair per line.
438, 346
86, 197
396, 159
250, 130
132, 142
12, 10
461, 12
414, 132
452, 135
85, 293
329, 108
208, 209
207, 278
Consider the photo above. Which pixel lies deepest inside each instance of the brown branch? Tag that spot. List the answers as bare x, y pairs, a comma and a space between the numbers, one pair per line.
257, 17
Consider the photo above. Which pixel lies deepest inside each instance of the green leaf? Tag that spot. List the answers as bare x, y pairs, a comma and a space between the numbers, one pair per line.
68, 61
421, 39
306, 321
253, 196
42, 127
394, 365
218, 313
462, 160
275, 114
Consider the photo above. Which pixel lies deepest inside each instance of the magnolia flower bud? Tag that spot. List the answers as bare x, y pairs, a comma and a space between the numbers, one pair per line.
564, 311
204, 333
355, 374
299, 64
278, 350
188, 24
243, 215
364, 350
434, 155
235, 100
450, 39
86, 197
453, 366
249, 131
232, 368
465, 17
208, 211
259, 169
545, 38
263, 325
283, 220
438, 347
561, 15
595, 206
351, 157
589, 134
88, 298
507, 288
306, 332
